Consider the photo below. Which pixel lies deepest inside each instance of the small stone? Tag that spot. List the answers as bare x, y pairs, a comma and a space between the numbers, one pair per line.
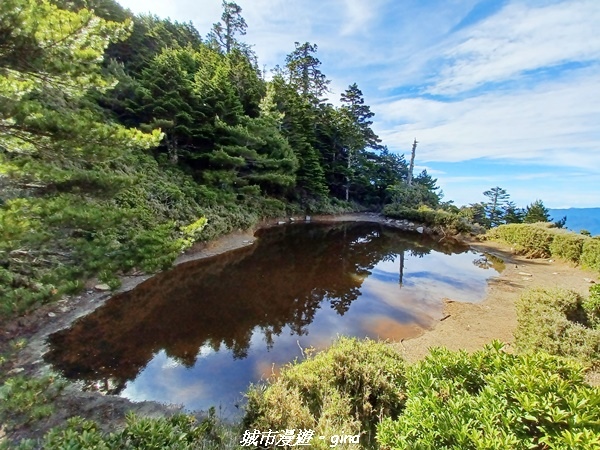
64, 309
411, 224
525, 274
281, 222
292, 219
102, 287
420, 230
51, 314
550, 260
307, 218
554, 273
589, 280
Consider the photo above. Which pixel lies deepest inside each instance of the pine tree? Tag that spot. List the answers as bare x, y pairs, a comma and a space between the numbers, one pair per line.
498, 199
304, 73
299, 127
355, 125
224, 32
512, 214
536, 212
49, 63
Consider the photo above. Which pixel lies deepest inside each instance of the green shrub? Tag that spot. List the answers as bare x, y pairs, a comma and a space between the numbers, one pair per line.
556, 321
179, 432
567, 245
24, 400
590, 256
530, 239
591, 305
541, 241
494, 400
448, 221
346, 389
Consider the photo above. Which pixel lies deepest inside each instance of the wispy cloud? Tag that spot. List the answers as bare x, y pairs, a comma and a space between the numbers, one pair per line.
521, 38
555, 122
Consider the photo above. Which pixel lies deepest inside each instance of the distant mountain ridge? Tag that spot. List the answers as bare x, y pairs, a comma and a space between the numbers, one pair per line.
579, 219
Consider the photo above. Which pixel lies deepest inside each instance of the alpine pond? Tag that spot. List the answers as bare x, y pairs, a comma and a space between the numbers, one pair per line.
198, 334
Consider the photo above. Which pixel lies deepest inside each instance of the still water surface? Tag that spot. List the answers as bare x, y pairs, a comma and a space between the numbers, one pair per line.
198, 334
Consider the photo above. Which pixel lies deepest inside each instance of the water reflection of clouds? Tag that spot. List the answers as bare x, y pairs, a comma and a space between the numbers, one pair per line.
438, 275
285, 302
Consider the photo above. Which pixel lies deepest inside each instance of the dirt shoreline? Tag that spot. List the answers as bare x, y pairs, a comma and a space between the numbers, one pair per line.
465, 326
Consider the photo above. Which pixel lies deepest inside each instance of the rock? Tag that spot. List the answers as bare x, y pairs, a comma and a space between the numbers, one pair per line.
411, 224
526, 274
307, 218
51, 314
64, 309
16, 371
550, 260
102, 287
589, 280
420, 230
281, 222
292, 219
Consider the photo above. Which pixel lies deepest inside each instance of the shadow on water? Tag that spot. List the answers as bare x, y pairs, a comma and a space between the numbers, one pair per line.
199, 333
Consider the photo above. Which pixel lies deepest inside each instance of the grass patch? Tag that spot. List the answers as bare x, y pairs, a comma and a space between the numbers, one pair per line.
561, 323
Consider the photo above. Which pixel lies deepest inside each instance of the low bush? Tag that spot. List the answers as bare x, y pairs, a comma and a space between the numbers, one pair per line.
530, 239
24, 400
179, 432
567, 245
591, 306
448, 221
492, 399
590, 256
540, 240
346, 389
559, 322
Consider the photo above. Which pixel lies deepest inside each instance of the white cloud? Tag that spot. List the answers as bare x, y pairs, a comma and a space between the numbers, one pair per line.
358, 14
555, 123
522, 38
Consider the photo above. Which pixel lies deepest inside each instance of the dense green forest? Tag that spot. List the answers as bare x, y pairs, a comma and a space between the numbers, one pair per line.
124, 139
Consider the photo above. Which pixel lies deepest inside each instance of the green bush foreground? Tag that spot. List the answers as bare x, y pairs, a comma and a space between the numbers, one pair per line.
490, 399
454, 400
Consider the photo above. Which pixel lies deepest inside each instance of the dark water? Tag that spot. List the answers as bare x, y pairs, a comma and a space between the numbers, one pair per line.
197, 335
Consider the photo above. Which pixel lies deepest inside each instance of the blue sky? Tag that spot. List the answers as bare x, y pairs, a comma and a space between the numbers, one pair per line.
498, 93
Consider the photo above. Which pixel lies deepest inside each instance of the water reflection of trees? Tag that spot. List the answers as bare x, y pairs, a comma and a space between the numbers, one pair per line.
281, 282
